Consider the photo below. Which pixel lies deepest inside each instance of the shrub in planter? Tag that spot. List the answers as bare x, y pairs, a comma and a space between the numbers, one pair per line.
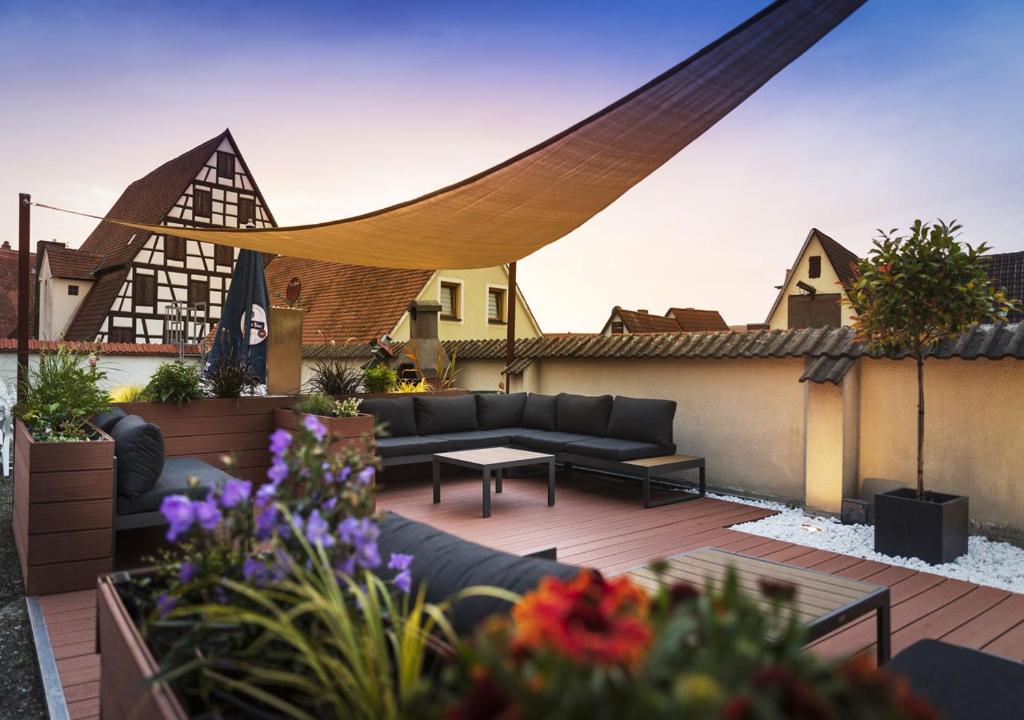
379, 379
331, 377
61, 395
229, 377
346, 426
175, 382
910, 293
127, 393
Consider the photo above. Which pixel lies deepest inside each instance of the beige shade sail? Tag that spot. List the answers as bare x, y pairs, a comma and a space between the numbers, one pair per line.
542, 194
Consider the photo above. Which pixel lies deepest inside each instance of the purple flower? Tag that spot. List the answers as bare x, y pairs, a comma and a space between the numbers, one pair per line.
361, 534
207, 513
280, 441
265, 494
343, 475
177, 509
365, 476
403, 581
278, 470
329, 503
259, 572
265, 523
165, 603
186, 572
318, 531
316, 427
399, 561
347, 567
235, 492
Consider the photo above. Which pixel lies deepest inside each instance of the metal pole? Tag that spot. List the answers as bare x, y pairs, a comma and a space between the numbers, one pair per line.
510, 338
24, 209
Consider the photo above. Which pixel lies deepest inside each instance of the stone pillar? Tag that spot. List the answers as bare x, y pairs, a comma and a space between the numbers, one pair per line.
832, 432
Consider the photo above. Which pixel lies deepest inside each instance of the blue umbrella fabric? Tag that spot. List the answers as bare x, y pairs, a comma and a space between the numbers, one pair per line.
243, 329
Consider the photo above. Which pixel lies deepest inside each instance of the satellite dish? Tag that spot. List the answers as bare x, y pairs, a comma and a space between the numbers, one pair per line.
293, 291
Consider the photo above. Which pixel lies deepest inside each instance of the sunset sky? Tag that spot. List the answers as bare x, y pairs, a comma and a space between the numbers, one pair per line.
911, 108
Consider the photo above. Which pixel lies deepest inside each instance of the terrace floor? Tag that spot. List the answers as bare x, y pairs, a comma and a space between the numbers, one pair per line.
601, 524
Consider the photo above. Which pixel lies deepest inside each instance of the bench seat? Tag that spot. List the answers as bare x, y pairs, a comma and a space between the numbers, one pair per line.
608, 448
174, 480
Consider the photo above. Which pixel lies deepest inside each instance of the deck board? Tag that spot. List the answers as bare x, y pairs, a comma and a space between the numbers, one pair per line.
603, 525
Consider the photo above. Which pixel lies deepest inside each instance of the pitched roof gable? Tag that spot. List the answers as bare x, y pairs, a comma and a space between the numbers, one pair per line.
72, 264
694, 320
642, 322
843, 261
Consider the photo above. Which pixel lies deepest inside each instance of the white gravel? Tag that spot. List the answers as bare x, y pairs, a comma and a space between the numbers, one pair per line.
987, 562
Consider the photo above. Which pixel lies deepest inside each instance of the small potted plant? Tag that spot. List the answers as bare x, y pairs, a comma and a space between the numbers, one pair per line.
912, 292
175, 383
349, 427
68, 545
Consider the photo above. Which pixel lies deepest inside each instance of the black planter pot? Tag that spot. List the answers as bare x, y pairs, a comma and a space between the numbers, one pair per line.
933, 529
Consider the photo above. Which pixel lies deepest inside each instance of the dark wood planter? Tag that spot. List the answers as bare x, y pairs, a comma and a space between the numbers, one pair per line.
354, 432
126, 664
63, 511
933, 530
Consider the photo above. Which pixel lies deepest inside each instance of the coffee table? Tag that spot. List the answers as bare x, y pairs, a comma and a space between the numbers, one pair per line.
822, 602
494, 461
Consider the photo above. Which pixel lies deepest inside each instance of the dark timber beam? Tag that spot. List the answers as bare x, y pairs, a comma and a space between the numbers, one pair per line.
510, 316
24, 210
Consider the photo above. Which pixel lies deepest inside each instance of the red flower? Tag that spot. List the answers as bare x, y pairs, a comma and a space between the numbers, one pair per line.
486, 701
737, 709
588, 619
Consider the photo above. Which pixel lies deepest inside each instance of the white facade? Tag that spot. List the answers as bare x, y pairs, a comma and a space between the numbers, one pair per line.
59, 299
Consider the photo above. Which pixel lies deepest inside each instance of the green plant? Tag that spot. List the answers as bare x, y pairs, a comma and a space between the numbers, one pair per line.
379, 379
411, 386
175, 382
332, 377
349, 407
316, 404
914, 290
127, 393
445, 370
61, 394
229, 377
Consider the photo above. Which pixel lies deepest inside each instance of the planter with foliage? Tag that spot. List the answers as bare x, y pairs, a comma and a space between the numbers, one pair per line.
63, 476
912, 292
349, 428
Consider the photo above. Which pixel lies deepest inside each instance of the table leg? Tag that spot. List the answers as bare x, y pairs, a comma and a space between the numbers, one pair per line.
884, 632
647, 487
551, 482
497, 480
437, 481
703, 485
487, 494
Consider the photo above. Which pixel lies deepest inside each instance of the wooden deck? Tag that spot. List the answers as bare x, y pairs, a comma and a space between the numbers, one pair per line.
602, 525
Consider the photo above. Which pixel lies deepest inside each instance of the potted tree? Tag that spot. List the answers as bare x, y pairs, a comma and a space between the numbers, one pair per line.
912, 292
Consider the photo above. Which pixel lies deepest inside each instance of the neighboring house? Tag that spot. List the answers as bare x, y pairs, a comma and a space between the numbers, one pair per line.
351, 303
630, 322
824, 271
9, 290
136, 287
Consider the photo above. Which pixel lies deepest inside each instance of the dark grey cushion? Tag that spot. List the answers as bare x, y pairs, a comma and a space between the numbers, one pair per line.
174, 480
642, 420
616, 449
584, 414
139, 448
396, 414
475, 439
107, 419
409, 445
499, 411
446, 564
546, 441
540, 412
454, 413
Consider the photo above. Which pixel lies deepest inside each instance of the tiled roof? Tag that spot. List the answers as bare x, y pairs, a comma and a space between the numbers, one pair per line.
1007, 272
346, 303
94, 307
72, 264
693, 320
9, 291
9, 345
843, 261
642, 322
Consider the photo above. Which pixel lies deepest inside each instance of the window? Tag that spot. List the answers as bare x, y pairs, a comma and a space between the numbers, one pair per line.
144, 289
174, 248
198, 292
223, 254
246, 210
617, 328
495, 305
72, 289
121, 335
450, 301
225, 165
202, 203
814, 266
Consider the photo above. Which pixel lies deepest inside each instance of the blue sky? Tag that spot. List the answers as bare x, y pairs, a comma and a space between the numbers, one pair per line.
910, 108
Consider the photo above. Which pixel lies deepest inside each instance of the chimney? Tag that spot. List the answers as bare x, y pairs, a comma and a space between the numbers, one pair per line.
5, 246
423, 340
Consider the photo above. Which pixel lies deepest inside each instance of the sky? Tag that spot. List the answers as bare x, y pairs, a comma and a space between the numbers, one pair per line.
911, 108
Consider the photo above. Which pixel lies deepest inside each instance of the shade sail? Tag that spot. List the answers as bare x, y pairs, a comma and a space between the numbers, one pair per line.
540, 195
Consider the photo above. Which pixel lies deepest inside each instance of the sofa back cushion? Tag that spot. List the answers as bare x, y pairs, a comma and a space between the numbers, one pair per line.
397, 415
499, 411
107, 419
139, 448
583, 414
642, 420
445, 414
540, 412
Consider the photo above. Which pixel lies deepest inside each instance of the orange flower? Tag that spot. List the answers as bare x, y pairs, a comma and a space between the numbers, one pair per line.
588, 619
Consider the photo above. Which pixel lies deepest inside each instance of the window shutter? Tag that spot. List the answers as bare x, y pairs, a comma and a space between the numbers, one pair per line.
246, 210
174, 247
225, 165
198, 292
144, 289
202, 203
223, 254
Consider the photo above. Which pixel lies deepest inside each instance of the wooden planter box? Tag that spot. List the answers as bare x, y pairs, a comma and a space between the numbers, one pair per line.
126, 664
63, 511
352, 432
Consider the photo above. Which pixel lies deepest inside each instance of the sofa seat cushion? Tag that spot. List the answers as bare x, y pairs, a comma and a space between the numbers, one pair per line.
174, 480
475, 439
544, 441
445, 414
583, 414
616, 449
397, 415
414, 445
139, 448
446, 564
643, 420
497, 410
540, 412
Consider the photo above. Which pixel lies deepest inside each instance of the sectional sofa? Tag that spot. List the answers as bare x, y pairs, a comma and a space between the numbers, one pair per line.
580, 430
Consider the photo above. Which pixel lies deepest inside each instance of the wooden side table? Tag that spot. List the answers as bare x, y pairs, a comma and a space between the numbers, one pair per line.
648, 468
823, 602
